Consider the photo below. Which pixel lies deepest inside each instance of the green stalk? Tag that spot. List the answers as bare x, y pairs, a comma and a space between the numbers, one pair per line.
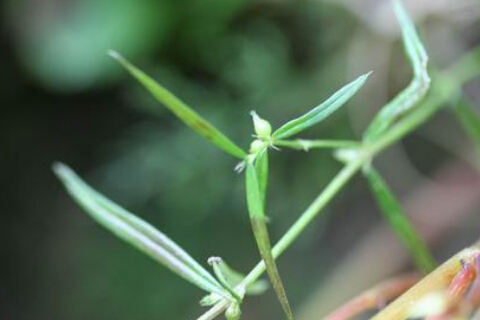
418, 116
442, 89
307, 216
444, 86
301, 144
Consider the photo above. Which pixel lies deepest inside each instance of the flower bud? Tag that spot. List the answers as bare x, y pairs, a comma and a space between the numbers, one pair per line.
256, 146
262, 127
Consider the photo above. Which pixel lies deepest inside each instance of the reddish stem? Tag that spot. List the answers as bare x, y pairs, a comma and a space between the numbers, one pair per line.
376, 297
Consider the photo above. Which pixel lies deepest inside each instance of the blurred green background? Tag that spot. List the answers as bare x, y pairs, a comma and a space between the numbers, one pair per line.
63, 99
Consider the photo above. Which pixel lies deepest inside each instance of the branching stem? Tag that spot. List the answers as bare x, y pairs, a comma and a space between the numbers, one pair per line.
444, 86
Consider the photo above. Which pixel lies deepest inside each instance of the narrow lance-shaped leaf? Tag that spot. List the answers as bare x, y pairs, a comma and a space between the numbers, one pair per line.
396, 217
191, 118
470, 120
417, 88
135, 231
322, 111
259, 226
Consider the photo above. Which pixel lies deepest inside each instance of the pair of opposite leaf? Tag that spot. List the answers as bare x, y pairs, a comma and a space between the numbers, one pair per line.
154, 243
151, 241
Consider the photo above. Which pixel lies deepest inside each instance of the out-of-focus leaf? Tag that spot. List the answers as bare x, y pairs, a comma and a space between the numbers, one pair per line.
62, 44
470, 120
322, 111
191, 118
396, 217
135, 231
417, 88
259, 226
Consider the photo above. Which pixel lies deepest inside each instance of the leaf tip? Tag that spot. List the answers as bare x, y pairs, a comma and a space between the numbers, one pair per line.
214, 260
115, 55
364, 77
60, 169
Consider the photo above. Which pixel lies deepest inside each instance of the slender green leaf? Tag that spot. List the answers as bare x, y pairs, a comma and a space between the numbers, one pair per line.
135, 231
261, 168
396, 217
417, 88
191, 118
322, 111
470, 120
260, 231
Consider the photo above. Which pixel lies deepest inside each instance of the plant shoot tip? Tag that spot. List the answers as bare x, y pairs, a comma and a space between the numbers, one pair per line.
214, 260
59, 168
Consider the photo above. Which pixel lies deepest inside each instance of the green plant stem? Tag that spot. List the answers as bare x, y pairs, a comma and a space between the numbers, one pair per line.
295, 230
431, 104
444, 86
306, 145
308, 215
